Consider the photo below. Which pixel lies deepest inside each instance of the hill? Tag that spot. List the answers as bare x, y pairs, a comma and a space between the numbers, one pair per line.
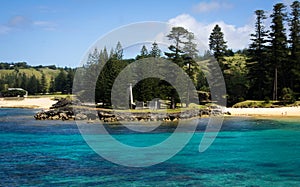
35, 79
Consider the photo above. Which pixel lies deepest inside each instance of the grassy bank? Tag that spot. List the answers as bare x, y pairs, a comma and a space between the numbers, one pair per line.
264, 104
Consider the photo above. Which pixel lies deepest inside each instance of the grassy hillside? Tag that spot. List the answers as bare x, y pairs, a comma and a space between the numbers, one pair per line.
49, 73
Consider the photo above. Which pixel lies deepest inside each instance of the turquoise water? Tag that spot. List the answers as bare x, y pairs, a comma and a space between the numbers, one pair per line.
247, 152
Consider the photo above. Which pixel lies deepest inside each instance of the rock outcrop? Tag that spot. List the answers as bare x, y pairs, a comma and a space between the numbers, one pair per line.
63, 110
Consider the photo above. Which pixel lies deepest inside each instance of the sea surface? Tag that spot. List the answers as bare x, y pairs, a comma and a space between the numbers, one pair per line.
247, 152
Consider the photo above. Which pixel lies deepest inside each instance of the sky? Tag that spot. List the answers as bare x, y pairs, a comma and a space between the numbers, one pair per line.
59, 32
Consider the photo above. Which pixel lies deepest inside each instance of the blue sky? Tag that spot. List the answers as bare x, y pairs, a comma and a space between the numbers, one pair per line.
59, 32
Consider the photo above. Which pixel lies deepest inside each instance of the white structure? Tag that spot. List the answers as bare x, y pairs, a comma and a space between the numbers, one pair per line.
131, 95
20, 89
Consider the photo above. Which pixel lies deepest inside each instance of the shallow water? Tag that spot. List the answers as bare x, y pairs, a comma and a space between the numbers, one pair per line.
247, 152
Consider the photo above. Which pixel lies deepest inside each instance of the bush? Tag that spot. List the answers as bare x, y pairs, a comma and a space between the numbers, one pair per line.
13, 93
267, 100
288, 96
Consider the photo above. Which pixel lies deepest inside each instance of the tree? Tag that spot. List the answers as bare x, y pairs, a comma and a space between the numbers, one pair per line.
190, 54
143, 54
190, 47
119, 51
93, 58
217, 44
105, 54
287, 96
295, 45
43, 83
279, 50
24, 81
52, 85
178, 35
69, 81
257, 63
111, 53
106, 78
144, 51
60, 82
34, 85
155, 51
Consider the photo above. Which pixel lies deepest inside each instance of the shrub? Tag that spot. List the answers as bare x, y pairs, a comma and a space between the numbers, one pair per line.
288, 96
13, 93
267, 100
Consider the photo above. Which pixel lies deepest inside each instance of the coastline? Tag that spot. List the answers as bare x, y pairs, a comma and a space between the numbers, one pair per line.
265, 112
29, 103
46, 102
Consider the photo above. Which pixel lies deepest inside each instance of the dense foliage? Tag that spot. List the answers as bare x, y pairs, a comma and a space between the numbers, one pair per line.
13, 93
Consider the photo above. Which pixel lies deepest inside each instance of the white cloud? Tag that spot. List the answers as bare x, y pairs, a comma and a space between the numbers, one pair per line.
47, 25
203, 7
236, 37
45, 9
22, 22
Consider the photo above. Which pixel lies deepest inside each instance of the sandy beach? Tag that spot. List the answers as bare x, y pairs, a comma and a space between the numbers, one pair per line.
46, 103
266, 112
42, 103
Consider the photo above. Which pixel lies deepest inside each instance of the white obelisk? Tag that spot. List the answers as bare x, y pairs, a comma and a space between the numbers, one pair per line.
131, 95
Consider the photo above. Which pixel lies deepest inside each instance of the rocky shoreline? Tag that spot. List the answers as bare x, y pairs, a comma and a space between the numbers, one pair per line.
63, 110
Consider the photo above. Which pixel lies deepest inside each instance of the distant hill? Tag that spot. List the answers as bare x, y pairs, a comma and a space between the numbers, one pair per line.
26, 76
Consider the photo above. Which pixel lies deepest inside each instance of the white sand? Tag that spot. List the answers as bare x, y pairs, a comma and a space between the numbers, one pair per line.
46, 103
43, 103
283, 111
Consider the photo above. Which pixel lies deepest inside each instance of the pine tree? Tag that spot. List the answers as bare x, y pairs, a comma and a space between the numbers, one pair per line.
111, 53
257, 64
178, 35
105, 54
190, 54
155, 51
143, 54
279, 50
43, 83
119, 51
217, 44
52, 85
69, 81
106, 80
190, 47
60, 81
24, 81
295, 45
33, 85
93, 58
144, 51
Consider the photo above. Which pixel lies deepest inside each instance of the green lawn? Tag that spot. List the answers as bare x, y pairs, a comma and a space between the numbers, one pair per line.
263, 104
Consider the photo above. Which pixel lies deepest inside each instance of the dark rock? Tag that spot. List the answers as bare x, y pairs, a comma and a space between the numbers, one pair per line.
61, 103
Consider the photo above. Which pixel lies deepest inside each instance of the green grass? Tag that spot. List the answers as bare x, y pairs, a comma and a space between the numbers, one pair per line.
253, 104
49, 73
263, 104
52, 96
146, 110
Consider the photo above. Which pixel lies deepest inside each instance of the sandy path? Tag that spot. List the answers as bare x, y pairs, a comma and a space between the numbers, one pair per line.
43, 103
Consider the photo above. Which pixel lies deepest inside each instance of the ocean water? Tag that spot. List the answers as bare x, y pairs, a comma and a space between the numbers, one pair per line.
247, 152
